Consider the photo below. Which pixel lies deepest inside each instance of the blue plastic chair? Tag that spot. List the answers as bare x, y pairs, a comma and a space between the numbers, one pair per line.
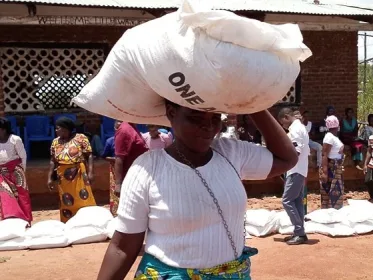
142, 128
70, 116
163, 130
15, 128
37, 129
107, 128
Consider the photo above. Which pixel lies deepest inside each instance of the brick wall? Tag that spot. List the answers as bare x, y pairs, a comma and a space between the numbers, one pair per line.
61, 34
330, 76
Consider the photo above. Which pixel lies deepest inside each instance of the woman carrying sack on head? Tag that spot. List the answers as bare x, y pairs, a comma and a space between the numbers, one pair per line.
71, 168
190, 200
14, 195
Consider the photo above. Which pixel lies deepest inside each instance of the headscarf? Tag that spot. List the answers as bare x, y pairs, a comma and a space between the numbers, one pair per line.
332, 122
66, 123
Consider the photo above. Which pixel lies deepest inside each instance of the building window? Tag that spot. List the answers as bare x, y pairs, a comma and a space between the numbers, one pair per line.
293, 96
42, 79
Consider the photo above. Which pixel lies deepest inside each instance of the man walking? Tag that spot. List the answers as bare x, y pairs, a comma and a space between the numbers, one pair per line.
292, 198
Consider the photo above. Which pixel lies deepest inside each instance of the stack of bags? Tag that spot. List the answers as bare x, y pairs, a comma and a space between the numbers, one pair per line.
12, 234
89, 225
261, 222
47, 234
356, 218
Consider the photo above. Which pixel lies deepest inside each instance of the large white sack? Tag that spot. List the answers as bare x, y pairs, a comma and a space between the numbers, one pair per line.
111, 227
12, 228
325, 216
19, 243
50, 228
202, 59
47, 234
336, 229
94, 216
362, 228
360, 203
356, 213
47, 242
87, 234
309, 228
283, 219
260, 217
261, 231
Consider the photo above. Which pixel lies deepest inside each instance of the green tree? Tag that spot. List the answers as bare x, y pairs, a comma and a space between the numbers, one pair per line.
365, 99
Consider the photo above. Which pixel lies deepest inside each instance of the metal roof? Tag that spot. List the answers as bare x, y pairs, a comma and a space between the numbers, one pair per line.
273, 6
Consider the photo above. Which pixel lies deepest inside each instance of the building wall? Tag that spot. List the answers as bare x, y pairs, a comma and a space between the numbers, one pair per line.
330, 76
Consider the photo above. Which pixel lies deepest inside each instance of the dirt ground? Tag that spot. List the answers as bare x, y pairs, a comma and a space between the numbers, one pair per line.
324, 258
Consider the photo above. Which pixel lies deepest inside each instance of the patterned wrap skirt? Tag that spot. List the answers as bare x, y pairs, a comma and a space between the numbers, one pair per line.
152, 268
14, 195
332, 191
114, 200
74, 189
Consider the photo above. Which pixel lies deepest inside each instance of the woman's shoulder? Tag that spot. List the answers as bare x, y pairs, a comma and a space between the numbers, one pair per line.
149, 157
80, 137
14, 139
149, 161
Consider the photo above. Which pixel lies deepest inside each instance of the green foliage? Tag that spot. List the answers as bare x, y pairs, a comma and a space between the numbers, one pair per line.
365, 99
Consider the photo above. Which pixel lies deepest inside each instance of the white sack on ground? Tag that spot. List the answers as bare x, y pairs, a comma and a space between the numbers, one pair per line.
326, 216
309, 228
47, 242
358, 211
269, 228
19, 243
94, 216
260, 217
202, 59
12, 228
87, 234
46, 228
283, 219
362, 228
47, 234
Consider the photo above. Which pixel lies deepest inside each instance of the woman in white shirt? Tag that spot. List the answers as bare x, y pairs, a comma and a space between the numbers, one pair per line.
331, 178
14, 196
190, 200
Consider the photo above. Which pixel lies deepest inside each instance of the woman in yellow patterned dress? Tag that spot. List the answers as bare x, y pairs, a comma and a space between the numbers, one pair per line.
71, 168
